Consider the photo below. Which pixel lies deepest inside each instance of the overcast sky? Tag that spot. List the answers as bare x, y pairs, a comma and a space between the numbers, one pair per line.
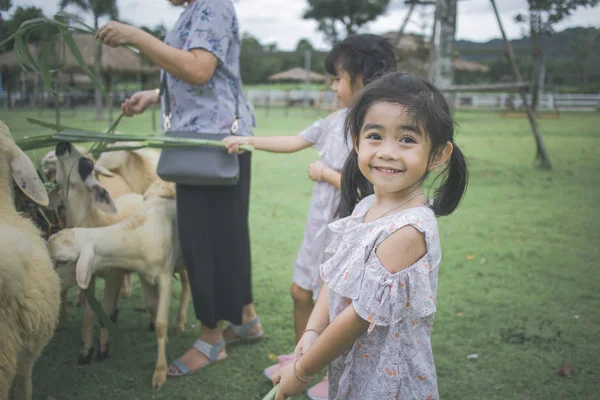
281, 20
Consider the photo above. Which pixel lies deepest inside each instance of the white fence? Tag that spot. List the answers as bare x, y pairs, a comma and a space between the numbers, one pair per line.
499, 101
548, 101
324, 99
266, 98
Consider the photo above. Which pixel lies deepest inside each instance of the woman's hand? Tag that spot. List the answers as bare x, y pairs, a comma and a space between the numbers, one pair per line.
138, 103
233, 143
289, 384
305, 342
115, 34
316, 170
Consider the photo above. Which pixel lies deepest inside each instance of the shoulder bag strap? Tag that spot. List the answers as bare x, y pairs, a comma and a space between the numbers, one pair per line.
164, 91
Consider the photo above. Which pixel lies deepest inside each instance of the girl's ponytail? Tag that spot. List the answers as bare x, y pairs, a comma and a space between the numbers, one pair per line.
355, 186
450, 193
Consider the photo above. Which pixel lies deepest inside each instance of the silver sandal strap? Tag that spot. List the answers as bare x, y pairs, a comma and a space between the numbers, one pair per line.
243, 330
210, 351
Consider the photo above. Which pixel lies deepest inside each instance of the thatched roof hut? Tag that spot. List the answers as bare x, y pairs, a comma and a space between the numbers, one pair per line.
297, 75
114, 60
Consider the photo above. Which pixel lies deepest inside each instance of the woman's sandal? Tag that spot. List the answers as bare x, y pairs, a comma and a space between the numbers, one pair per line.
210, 351
243, 333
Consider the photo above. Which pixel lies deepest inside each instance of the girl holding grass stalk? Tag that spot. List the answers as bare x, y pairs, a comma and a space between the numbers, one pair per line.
354, 62
374, 314
200, 63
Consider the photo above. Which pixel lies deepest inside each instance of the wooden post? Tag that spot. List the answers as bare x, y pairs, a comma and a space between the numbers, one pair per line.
444, 68
267, 103
57, 95
23, 82
109, 89
287, 102
154, 117
542, 156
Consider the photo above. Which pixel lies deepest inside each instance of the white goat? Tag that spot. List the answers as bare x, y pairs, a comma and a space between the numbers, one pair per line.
120, 172
29, 287
88, 204
147, 243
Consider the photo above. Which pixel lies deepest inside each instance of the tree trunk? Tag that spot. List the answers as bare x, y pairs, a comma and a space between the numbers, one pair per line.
23, 82
98, 73
431, 57
444, 69
535, 25
36, 93
542, 155
57, 96
109, 89
404, 24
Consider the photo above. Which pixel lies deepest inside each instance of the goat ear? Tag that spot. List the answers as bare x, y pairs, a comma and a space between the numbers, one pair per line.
102, 170
100, 196
26, 177
84, 270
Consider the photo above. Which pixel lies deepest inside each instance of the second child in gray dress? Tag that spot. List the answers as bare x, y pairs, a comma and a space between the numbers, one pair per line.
373, 318
354, 62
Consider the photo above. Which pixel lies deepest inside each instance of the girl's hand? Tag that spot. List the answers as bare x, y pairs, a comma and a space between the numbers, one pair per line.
138, 103
305, 343
115, 34
289, 384
233, 143
316, 170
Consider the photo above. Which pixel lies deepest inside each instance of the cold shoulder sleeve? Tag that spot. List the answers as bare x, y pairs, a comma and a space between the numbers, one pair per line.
378, 296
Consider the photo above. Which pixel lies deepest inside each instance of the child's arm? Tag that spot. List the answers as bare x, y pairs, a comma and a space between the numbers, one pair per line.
274, 144
317, 322
319, 172
339, 336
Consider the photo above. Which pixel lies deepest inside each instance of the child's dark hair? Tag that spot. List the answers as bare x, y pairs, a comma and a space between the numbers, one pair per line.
366, 55
430, 111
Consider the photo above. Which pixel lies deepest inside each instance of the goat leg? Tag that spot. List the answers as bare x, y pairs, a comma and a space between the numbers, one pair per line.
150, 295
162, 318
183, 301
113, 279
23, 388
89, 319
63, 314
126, 286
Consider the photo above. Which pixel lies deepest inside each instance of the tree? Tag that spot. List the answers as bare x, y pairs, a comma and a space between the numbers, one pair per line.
351, 14
542, 15
444, 53
585, 46
5, 5
98, 9
20, 15
304, 44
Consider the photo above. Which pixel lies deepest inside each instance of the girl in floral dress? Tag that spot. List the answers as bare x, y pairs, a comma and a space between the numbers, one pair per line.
372, 321
354, 62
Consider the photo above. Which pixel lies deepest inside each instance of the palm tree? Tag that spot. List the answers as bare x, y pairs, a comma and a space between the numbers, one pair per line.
98, 9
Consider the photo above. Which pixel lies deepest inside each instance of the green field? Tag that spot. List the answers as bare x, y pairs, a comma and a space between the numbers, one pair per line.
518, 281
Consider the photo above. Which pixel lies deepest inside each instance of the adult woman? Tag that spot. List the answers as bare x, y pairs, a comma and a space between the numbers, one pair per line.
200, 62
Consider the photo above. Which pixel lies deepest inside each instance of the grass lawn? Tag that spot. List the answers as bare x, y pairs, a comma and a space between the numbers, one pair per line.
518, 281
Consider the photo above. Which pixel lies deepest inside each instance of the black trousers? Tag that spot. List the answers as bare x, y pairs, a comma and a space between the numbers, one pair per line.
214, 236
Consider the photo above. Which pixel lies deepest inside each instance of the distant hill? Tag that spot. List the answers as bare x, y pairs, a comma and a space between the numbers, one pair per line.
555, 46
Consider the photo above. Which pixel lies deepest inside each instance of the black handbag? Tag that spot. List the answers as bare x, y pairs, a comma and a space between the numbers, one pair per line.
200, 165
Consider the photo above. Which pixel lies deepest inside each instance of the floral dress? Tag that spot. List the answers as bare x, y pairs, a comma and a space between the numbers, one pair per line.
211, 25
393, 359
327, 136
